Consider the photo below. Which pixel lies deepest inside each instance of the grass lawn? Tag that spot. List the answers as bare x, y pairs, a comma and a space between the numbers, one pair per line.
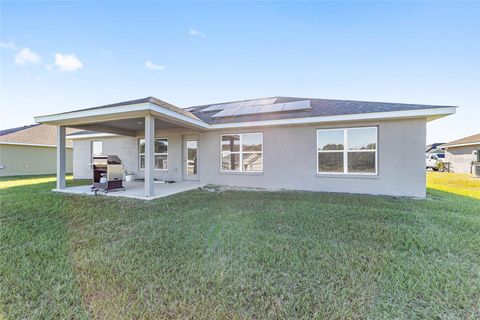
457, 183
238, 254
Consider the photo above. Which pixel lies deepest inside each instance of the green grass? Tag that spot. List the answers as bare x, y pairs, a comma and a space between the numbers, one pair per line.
238, 254
8, 182
457, 183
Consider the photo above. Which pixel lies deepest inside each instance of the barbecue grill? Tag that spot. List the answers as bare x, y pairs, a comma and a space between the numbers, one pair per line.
107, 173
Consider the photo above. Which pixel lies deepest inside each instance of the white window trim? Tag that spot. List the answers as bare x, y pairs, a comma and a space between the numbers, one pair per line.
345, 152
154, 154
240, 153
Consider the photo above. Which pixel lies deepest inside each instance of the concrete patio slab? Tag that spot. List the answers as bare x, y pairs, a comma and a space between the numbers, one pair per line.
136, 190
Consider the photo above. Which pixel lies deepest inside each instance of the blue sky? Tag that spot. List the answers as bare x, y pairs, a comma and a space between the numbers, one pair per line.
62, 56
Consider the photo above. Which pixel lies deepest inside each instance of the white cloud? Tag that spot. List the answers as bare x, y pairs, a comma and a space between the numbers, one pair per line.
9, 45
150, 65
26, 56
67, 62
196, 33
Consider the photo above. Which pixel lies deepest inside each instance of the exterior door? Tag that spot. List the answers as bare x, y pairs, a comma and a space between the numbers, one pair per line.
190, 158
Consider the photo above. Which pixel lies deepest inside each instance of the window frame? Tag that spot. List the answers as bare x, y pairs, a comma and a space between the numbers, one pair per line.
154, 154
345, 152
187, 140
240, 153
91, 149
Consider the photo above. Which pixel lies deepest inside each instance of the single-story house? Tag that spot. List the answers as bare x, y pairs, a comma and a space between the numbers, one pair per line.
31, 150
271, 143
461, 153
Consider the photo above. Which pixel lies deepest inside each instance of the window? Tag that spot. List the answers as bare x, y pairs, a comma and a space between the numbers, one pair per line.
191, 156
160, 151
97, 147
349, 150
242, 152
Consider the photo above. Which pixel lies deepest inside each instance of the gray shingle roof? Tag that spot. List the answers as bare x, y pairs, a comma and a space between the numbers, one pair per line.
470, 139
319, 108
153, 100
39, 134
12, 130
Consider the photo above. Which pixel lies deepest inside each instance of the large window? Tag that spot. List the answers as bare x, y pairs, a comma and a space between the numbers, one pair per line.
242, 152
350, 150
160, 151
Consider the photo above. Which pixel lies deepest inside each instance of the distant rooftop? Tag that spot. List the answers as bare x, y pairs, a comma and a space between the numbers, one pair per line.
473, 139
12, 130
36, 134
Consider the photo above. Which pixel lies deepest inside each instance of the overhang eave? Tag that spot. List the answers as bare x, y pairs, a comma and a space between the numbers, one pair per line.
99, 115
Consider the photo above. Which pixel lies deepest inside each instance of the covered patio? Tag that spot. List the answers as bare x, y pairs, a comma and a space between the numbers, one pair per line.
137, 118
136, 189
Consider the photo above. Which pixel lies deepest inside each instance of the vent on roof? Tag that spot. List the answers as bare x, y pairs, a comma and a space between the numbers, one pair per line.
275, 107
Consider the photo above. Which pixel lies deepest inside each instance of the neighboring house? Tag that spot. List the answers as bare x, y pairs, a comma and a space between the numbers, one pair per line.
31, 150
272, 143
460, 153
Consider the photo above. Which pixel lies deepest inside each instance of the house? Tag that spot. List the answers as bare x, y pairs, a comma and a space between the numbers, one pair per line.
461, 153
271, 143
31, 150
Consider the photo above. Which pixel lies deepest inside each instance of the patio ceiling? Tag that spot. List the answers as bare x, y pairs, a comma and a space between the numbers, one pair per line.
127, 127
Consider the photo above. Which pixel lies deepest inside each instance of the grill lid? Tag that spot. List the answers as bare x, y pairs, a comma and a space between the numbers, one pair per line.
110, 159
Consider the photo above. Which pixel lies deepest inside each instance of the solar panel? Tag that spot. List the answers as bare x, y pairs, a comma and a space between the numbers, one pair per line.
276, 107
226, 112
248, 110
297, 105
256, 109
249, 103
261, 102
216, 107
266, 105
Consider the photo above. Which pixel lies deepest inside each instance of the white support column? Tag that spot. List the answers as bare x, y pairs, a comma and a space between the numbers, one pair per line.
61, 155
149, 155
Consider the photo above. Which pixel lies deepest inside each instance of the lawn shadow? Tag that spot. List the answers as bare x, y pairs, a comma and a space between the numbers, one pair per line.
433, 193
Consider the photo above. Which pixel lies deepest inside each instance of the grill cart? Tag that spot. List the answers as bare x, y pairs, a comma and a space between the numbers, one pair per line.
107, 173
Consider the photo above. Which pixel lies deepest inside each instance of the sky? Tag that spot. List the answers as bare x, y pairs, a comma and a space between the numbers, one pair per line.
60, 56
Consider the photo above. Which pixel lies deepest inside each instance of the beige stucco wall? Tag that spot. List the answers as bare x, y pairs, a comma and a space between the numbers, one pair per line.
30, 160
289, 159
461, 158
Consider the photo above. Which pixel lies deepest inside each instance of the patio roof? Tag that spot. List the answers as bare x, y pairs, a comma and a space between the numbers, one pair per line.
125, 118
